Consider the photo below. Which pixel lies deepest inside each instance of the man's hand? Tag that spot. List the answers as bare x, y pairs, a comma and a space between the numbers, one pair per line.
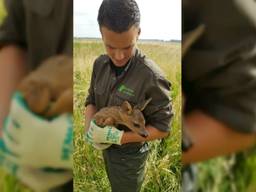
105, 135
37, 142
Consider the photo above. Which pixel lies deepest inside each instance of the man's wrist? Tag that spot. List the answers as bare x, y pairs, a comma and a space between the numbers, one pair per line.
131, 137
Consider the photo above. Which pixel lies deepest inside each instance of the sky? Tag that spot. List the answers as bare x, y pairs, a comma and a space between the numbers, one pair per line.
160, 19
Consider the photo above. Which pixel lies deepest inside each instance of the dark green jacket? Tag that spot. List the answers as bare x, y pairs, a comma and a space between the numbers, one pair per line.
42, 27
218, 72
142, 80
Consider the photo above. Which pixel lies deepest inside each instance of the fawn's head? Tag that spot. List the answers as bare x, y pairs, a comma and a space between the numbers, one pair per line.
133, 117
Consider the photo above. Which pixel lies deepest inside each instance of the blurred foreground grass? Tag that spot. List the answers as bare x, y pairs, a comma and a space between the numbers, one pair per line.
235, 173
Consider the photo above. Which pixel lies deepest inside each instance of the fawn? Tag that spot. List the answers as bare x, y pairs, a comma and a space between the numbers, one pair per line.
132, 118
48, 90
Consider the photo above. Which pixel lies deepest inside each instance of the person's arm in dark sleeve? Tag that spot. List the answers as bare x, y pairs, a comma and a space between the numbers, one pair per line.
12, 55
90, 108
13, 27
90, 98
158, 113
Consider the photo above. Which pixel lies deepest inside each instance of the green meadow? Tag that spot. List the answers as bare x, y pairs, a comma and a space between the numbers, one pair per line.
163, 166
234, 173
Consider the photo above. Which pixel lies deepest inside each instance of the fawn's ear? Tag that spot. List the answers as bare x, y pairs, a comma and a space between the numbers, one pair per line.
189, 38
126, 106
142, 106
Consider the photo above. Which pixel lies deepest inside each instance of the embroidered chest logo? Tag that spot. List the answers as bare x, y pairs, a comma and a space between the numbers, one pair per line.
125, 90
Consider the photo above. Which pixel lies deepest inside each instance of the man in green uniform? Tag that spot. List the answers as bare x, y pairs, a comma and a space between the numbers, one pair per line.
125, 74
219, 79
32, 32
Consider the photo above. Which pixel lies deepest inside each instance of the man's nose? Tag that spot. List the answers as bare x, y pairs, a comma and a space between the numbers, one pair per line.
119, 55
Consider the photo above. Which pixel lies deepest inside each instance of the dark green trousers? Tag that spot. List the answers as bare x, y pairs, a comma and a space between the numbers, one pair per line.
125, 166
189, 178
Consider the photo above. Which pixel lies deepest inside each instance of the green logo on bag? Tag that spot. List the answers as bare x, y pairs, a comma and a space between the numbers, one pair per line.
125, 90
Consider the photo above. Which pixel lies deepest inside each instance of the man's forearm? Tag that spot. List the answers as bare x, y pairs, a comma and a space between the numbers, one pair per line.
130, 137
212, 138
90, 110
12, 70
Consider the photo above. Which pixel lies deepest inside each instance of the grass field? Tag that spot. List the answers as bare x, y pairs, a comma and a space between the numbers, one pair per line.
2, 11
163, 165
235, 173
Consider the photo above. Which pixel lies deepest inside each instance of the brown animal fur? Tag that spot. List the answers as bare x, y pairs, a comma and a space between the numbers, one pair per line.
124, 115
191, 37
48, 90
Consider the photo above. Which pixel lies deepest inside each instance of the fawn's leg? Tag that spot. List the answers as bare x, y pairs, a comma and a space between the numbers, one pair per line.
62, 105
103, 121
36, 94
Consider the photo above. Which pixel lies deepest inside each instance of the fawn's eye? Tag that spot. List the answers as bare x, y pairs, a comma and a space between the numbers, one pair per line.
136, 125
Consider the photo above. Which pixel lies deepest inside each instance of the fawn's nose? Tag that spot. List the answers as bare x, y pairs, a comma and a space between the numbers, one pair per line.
143, 133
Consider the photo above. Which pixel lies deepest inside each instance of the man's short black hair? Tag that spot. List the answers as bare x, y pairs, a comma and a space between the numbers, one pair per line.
119, 15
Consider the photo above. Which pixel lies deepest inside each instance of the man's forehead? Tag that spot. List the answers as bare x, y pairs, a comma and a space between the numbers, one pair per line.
119, 40
122, 46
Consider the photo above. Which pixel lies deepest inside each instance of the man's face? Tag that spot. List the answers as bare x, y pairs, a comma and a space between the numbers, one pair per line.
120, 47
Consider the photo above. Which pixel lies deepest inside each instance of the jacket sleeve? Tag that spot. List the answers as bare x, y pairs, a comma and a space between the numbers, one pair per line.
159, 111
13, 27
90, 99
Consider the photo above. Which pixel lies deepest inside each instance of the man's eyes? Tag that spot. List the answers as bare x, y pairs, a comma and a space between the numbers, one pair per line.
126, 48
109, 47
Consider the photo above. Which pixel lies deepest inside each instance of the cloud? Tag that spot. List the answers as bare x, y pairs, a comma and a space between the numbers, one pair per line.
160, 19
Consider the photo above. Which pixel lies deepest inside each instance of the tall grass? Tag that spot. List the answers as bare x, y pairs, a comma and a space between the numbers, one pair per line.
163, 165
234, 173
2, 11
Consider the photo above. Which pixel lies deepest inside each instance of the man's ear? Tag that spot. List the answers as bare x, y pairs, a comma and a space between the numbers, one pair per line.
126, 106
100, 30
102, 37
139, 31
